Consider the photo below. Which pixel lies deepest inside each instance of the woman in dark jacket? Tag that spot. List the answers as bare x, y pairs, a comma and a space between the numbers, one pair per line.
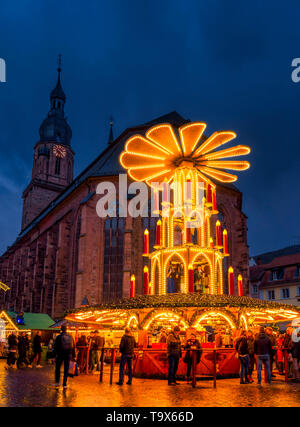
191, 344
12, 351
241, 347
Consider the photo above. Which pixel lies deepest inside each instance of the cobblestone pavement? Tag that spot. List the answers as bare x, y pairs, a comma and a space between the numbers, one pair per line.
34, 387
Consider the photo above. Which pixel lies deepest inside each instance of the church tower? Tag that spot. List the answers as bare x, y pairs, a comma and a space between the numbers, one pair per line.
53, 159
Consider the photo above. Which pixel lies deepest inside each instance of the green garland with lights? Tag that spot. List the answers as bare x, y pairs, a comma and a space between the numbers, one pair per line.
187, 300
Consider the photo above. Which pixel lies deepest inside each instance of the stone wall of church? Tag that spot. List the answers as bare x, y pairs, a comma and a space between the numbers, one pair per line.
37, 198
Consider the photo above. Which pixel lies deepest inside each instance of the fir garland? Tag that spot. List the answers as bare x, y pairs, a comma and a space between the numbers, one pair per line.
186, 300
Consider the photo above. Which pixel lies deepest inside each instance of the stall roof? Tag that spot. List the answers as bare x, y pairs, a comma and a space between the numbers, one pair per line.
33, 321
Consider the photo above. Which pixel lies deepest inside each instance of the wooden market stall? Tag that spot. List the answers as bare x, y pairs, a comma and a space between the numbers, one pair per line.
23, 322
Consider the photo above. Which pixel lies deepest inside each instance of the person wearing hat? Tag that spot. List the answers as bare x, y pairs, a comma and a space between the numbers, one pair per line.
127, 346
174, 354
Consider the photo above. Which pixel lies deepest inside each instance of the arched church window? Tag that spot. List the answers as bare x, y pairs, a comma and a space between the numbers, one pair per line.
113, 259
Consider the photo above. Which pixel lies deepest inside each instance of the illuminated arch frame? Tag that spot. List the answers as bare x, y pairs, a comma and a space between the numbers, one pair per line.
132, 318
155, 262
226, 315
155, 314
164, 282
219, 268
243, 319
210, 263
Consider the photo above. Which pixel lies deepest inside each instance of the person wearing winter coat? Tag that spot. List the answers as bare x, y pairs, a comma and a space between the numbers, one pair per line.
127, 346
279, 353
23, 348
191, 344
37, 349
263, 350
63, 351
12, 351
241, 347
174, 354
294, 350
271, 336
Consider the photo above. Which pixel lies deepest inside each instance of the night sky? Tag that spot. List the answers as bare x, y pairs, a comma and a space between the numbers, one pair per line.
227, 63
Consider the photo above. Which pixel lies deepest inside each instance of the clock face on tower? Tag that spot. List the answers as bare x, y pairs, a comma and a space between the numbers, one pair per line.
59, 151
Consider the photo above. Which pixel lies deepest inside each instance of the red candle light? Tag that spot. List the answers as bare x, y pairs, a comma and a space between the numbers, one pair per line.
209, 194
146, 281
191, 278
218, 234
231, 281
214, 200
158, 233
146, 242
150, 288
240, 285
211, 242
132, 286
225, 242
188, 233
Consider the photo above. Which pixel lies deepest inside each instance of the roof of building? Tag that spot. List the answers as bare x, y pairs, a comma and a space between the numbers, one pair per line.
107, 163
268, 257
33, 321
256, 273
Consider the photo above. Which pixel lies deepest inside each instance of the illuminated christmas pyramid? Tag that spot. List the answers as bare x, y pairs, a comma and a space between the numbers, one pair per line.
188, 255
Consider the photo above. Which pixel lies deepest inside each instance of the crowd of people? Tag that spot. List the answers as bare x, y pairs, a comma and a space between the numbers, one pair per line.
89, 349
267, 347
24, 352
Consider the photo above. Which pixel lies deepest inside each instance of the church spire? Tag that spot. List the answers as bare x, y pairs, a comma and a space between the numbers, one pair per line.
55, 126
57, 96
111, 134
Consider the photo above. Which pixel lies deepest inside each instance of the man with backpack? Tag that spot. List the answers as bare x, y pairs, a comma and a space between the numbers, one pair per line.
63, 352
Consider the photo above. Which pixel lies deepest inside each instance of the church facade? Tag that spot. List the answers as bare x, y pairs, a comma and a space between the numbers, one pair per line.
66, 255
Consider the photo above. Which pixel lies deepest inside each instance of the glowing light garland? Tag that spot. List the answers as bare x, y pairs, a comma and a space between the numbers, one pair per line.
156, 157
